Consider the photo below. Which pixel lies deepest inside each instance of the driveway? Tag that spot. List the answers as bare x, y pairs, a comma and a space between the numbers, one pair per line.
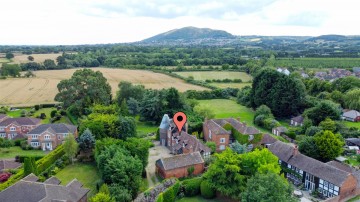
155, 153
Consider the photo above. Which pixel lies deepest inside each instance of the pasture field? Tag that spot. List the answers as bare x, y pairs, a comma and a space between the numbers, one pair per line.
39, 58
318, 62
230, 85
43, 88
4, 60
203, 75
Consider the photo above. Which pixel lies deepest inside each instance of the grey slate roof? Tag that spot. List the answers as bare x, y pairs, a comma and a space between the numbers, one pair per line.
268, 139
25, 121
190, 141
216, 128
57, 128
355, 141
30, 191
298, 119
179, 161
351, 114
52, 180
281, 129
2, 116
4, 164
319, 169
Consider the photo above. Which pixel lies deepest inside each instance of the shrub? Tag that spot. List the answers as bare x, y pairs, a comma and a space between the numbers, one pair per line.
4, 177
160, 198
37, 107
12, 180
169, 195
191, 187
5, 143
206, 190
358, 158
53, 113
157, 137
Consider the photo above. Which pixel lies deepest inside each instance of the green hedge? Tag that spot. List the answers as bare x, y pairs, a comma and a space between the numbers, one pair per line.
169, 195
191, 187
206, 190
21, 158
49, 159
160, 198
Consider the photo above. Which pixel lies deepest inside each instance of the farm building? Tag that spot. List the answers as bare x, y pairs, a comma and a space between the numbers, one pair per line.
177, 166
180, 143
49, 136
351, 115
214, 131
279, 130
328, 179
297, 121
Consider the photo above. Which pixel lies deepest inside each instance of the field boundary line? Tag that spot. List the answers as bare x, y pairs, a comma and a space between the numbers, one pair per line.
17, 89
38, 91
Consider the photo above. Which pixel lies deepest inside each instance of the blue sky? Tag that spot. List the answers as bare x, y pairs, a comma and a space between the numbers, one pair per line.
54, 22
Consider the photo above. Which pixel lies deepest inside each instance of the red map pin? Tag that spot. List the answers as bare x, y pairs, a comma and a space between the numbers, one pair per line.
179, 120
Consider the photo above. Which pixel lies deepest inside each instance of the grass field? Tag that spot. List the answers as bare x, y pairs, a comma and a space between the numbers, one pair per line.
318, 62
230, 85
86, 173
43, 88
8, 153
4, 60
352, 124
47, 112
40, 58
203, 75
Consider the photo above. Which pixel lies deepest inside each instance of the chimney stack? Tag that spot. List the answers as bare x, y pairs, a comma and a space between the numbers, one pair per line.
295, 151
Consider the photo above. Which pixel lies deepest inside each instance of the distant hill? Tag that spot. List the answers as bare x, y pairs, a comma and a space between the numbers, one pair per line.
330, 37
189, 34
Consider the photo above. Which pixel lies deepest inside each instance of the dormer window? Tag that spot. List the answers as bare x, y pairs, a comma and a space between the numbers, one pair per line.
47, 137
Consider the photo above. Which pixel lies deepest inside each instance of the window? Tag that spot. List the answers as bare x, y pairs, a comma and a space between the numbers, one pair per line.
222, 147
47, 137
34, 136
3, 135
12, 128
2, 128
321, 181
35, 144
59, 137
279, 161
336, 188
210, 134
65, 135
222, 140
289, 166
13, 135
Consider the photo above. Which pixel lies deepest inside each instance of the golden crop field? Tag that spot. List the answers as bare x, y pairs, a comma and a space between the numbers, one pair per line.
39, 58
43, 88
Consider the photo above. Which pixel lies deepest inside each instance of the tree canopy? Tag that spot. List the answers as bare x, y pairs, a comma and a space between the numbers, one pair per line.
84, 89
284, 95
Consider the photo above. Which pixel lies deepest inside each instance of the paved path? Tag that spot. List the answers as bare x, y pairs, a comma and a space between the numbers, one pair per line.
155, 153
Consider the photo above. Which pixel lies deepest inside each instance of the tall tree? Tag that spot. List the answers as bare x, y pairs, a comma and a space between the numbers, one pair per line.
352, 99
321, 111
49, 64
329, 145
70, 147
83, 89
267, 188
284, 95
10, 70
308, 147
224, 174
127, 127
87, 141
259, 161
127, 90
9, 55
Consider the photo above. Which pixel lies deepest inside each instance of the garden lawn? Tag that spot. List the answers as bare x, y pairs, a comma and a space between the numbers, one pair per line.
143, 128
16, 113
352, 124
86, 173
224, 108
196, 199
8, 153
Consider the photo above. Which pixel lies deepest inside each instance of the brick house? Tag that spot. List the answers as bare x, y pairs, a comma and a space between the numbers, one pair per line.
177, 166
297, 121
30, 190
49, 136
315, 175
214, 131
16, 128
3, 117
180, 143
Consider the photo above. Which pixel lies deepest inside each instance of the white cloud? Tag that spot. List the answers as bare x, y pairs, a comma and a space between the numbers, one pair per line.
113, 21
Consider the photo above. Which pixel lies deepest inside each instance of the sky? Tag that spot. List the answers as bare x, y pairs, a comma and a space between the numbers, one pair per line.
66, 22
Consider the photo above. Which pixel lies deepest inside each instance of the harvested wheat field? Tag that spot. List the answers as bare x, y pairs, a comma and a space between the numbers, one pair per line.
43, 88
39, 58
